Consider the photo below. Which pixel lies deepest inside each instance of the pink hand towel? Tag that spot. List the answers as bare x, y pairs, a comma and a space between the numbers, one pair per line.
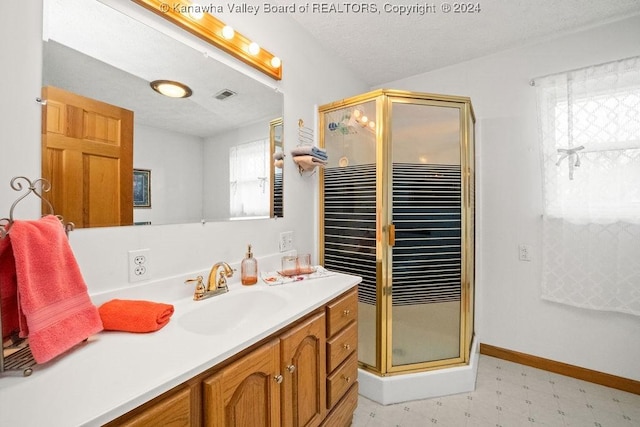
8, 289
52, 294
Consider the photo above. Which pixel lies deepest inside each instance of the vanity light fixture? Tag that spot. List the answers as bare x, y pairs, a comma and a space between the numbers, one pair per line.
216, 32
171, 89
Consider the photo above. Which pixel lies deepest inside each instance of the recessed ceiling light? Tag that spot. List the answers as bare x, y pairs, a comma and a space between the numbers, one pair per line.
171, 89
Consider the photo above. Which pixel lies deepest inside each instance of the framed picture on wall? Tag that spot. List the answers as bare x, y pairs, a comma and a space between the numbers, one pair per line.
141, 188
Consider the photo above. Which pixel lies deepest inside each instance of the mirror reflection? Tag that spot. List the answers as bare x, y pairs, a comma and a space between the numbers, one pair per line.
209, 156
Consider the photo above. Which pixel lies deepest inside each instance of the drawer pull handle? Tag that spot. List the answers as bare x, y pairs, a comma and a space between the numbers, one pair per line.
346, 312
291, 368
346, 346
278, 378
347, 379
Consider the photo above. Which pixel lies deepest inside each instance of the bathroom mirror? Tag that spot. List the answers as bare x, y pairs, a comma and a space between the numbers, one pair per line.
277, 165
187, 147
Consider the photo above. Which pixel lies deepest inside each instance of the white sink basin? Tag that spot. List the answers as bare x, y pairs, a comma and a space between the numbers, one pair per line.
221, 314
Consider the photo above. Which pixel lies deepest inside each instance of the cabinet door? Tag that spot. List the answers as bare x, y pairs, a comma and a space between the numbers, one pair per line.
247, 392
303, 366
174, 410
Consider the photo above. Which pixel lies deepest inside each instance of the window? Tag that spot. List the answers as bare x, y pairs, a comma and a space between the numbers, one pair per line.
249, 179
590, 135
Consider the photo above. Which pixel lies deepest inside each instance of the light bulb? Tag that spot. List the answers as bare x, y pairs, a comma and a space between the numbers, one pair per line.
372, 124
275, 62
228, 32
195, 11
357, 113
254, 48
364, 119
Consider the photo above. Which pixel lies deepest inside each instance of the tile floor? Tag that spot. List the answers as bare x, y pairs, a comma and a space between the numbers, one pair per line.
511, 395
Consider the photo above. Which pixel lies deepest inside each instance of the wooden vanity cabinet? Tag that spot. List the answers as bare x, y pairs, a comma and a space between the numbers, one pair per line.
302, 376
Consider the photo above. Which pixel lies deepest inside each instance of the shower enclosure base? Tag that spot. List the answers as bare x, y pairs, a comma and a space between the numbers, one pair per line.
421, 385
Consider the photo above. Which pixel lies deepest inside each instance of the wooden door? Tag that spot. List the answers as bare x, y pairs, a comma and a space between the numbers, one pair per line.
303, 365
247, 392
87, 156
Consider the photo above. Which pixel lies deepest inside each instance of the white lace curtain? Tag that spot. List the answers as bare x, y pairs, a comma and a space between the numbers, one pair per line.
249, 188
590, 134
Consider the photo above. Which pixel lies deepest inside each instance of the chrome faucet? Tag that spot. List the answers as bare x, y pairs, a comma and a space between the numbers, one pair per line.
216, 284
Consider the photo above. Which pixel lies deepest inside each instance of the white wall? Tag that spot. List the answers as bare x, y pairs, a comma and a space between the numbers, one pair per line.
176, 165
217, 197
311, 76
20, 31
510, 313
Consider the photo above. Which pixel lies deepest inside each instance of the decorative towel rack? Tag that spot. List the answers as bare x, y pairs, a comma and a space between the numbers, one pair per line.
305, 134
19, 357
305, 138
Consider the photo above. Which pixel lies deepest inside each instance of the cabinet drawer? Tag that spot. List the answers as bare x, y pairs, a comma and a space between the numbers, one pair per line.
342, 345
174, 410
341, 379
341, 312
342, 414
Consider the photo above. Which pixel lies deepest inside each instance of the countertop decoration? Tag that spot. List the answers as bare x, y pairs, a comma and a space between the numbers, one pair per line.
277, 278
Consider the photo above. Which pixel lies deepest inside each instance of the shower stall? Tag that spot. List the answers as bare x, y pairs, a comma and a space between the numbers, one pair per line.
397, 209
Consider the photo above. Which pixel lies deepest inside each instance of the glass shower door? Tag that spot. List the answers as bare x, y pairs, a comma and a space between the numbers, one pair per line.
397, 209
426, 257
349, 223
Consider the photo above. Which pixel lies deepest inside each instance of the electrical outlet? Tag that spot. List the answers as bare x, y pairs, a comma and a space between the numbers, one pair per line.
286, 241
524, 253
139, 265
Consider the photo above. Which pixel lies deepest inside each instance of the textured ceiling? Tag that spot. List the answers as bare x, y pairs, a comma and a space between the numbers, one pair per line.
386, 46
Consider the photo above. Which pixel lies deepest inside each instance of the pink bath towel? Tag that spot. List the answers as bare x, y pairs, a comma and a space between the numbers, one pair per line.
52, 294
8, 289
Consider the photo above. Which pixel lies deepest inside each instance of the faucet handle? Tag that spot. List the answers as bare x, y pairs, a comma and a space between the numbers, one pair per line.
198, 294
222, 280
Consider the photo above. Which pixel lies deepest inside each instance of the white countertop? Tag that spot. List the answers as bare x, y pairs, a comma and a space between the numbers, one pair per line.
115, 372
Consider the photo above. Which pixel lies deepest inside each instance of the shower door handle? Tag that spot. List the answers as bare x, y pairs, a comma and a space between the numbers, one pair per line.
392, 234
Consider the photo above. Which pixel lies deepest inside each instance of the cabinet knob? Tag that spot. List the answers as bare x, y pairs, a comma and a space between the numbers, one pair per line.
278, 378
347, 379
291, 368
346, 346
346, 312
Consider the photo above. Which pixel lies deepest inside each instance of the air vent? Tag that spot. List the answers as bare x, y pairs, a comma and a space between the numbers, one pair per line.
224, 94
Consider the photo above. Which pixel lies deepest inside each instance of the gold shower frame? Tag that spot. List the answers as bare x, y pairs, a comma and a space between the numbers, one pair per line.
384, 98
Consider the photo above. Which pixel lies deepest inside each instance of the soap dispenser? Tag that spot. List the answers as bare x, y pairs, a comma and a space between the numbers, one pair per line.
249, 269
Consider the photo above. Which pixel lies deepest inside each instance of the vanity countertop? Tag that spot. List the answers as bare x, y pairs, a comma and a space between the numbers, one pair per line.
115, 372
